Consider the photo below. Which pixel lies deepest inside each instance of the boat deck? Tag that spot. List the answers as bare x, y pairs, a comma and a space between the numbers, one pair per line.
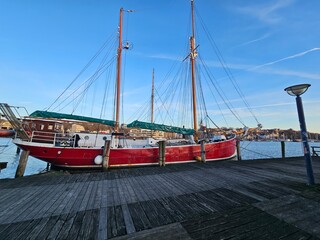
261, 199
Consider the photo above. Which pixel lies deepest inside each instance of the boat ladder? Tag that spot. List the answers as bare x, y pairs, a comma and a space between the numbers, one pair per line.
14, 121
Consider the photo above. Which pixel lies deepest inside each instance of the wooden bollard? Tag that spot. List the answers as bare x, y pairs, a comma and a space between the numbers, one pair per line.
162, 153
238, 150
203, 151
22, 164
106, 154
283, 150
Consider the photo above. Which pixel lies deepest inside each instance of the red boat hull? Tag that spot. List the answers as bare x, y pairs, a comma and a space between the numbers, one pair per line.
84, 157
6, 133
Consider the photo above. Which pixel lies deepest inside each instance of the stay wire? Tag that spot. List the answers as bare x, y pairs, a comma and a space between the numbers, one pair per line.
81, 85
83, 70
224, 100
226, 68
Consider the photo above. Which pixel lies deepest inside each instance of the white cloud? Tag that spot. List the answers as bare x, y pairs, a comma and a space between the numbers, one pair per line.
289, 57
266, 13
262, 68
254, 40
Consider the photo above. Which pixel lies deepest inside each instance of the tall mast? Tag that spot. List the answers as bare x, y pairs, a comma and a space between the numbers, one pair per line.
152, 97
193, 55
118, 87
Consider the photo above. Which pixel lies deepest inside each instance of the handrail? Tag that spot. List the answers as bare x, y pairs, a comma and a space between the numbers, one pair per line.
54, 138
314, 151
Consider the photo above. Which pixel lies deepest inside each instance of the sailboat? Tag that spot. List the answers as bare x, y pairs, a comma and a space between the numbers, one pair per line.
43, 139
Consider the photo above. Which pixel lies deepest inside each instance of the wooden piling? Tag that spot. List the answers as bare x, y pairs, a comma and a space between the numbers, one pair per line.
283, 150
3, 165
48, 167
106, 154
22, 164
203, 151
18, 150
238, 150
162, 153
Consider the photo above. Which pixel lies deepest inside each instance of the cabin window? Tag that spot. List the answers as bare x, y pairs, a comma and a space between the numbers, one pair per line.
41, 126
57, 127
50, 127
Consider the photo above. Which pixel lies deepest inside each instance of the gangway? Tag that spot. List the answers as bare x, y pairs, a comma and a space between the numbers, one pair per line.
14, 121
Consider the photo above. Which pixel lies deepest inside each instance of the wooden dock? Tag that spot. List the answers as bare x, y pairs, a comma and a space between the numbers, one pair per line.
263, 199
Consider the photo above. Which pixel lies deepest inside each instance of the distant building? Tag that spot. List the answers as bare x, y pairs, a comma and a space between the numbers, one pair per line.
77, 128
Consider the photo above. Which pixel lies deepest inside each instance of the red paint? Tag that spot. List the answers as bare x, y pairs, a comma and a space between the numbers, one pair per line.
84, 157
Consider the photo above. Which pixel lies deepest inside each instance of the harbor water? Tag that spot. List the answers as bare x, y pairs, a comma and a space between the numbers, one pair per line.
249, 150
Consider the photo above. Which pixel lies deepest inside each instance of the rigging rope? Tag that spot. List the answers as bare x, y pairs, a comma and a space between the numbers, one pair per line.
228, 104
225, 67
82, 71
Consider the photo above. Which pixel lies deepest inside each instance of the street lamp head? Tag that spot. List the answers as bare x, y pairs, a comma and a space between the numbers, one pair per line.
297, 90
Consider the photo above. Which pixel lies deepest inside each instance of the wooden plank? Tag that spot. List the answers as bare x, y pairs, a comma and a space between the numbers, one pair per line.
14, 230
234, 196
169, 232
214, 199
67, 225
10, 197
152, 213
76, 225
15, 211
38, 209
92, 196
65, 204
102, 226
88, 227
77, 205
86, 197
127, 219
116, 223
47, 228
139, 218
138, 188
102, 223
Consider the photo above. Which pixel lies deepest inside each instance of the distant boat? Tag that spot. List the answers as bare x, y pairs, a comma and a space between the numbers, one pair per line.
45, 140
6, 132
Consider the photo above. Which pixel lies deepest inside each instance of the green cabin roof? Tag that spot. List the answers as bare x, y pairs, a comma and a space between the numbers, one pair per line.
46, 114
160, 127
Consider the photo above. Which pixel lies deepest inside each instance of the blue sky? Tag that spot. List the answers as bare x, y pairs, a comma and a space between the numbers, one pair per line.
267, 45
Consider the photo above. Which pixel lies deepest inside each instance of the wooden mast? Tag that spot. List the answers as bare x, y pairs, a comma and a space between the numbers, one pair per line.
118, 87
193, 55
152, 100
152, 97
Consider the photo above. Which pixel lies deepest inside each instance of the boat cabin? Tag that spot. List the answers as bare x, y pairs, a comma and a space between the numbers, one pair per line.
42, 130
42, 125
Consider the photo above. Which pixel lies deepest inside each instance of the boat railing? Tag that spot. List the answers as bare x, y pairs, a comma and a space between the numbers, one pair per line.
54, 138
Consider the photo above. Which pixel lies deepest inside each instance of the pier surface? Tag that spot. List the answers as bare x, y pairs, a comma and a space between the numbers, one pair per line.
263, 199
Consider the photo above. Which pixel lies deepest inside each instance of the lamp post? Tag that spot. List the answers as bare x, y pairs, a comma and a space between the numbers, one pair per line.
298, 90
